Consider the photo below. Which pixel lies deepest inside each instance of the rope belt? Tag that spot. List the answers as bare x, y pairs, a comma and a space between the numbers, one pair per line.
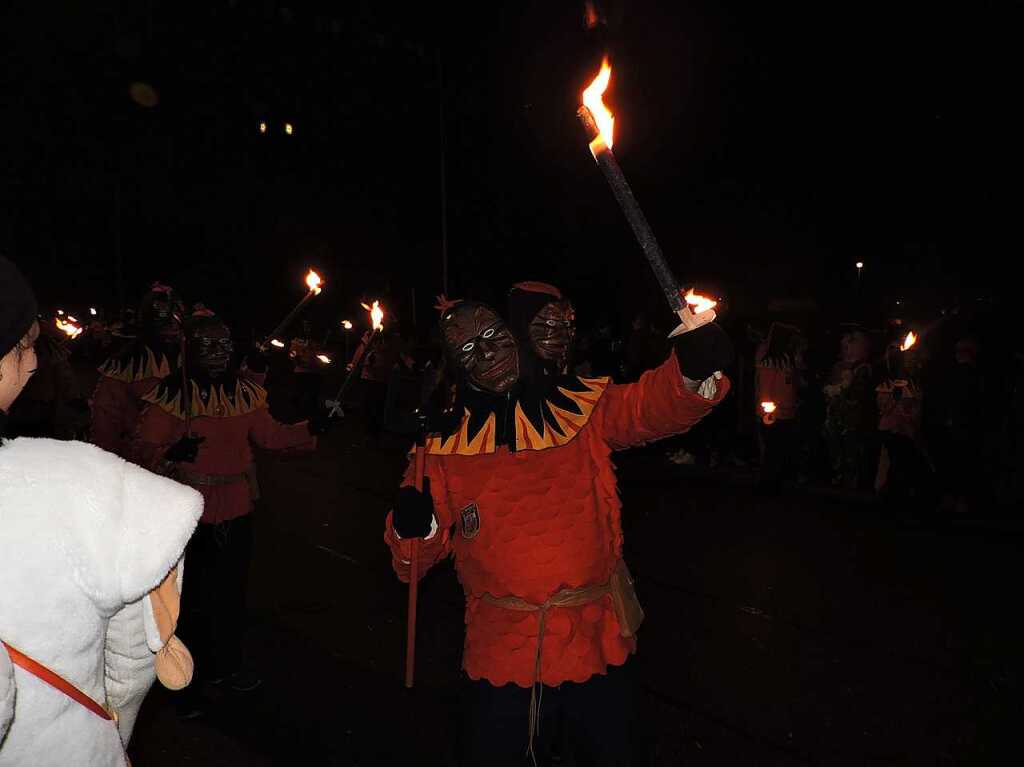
564, 598
196, 478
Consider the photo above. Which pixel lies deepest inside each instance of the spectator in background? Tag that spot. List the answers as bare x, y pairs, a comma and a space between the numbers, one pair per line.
777, 388
51, 405
903, 469
850, 412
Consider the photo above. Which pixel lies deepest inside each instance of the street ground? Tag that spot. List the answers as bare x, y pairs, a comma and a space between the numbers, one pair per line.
811, 629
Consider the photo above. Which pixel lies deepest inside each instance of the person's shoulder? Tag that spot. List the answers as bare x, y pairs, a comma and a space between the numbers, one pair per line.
69, 468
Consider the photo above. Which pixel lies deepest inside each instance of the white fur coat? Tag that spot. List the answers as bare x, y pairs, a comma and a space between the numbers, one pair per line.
84, 534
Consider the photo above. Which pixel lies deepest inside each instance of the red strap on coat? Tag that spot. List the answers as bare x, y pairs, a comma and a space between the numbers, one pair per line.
56, 681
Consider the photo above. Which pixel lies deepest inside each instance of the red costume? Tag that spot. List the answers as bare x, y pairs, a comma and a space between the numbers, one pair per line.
117, 400
232, 415
531, 522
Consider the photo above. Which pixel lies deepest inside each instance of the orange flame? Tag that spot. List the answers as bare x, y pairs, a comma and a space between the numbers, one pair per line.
698, 303
909, 341
768, 407
346, 324
376, 315
278, 344
324, 359
70, 329
313, 281
592, 100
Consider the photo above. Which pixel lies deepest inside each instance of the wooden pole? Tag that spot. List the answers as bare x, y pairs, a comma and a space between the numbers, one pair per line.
414, 570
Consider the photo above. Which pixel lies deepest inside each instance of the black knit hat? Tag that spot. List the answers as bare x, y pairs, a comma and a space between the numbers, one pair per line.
17, 306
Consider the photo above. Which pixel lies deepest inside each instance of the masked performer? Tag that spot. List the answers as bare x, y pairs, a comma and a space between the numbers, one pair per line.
540, 315
202, 436
522, 493
127, 376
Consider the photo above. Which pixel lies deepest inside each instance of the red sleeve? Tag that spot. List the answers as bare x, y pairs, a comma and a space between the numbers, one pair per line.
433, 550
656, 406
157, 430
274, 435
114, 415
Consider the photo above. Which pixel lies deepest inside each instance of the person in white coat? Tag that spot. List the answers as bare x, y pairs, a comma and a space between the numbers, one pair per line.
84, 534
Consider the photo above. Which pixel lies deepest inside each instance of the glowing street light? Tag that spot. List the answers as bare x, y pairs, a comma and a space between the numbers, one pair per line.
289, 129
263, 127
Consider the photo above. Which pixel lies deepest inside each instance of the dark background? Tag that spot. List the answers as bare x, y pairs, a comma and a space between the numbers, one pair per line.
772, 146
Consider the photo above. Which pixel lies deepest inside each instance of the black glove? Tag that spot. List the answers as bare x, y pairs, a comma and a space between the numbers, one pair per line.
703, 351
414, 511
184, 450
320, 422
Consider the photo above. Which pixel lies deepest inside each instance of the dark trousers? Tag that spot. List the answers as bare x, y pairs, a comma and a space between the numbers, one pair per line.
212, 620
591, 724
780, 454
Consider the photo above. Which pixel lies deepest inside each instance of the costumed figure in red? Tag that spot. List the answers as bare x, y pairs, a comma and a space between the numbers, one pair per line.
199, 427
136, 369
521, 491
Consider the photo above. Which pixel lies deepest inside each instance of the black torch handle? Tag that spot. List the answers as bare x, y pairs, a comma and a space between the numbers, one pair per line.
634, 215
288, 319
357, 368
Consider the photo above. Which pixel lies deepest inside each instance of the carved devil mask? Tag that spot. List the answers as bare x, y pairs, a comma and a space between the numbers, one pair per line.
159, 315
209, 347
541, 317
480, 344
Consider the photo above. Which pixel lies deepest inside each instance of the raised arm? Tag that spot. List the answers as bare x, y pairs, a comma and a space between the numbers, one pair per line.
671, 398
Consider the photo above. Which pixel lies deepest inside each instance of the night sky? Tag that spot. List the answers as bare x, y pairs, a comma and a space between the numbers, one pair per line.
771, 145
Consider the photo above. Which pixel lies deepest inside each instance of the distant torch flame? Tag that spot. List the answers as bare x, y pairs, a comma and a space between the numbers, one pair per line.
592, 101
346, 324
278, 344
68, 328
313, 281
324, 359
376, 315
909, 341
768, 407
699, 303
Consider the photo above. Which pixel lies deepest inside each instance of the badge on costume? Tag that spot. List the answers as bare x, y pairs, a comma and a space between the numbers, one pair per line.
470, 521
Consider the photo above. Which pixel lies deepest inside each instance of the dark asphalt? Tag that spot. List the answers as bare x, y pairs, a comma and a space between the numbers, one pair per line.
805, 630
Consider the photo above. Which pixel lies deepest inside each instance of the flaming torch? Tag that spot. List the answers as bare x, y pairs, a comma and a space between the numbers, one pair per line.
908, 341
362, 353
769, 409
315, 284
69, 327
599, 124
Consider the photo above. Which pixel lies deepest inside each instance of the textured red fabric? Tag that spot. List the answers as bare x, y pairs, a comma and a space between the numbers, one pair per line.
116, 406
778, 385
227, 450
549, 520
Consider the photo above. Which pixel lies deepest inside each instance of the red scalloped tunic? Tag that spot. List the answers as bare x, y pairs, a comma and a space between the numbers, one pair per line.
548, 520
227, 449
117, 399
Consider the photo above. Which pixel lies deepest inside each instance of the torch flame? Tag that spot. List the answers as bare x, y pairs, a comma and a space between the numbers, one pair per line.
768, 407
324, 359
314, 281
592, 101
909, 341
346, 324
68, 328
276, 343
376, 315
698, 303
